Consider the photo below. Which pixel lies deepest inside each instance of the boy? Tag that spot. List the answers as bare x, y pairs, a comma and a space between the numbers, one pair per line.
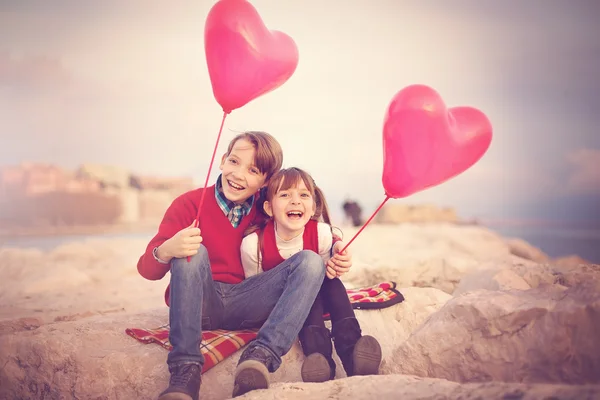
209, 292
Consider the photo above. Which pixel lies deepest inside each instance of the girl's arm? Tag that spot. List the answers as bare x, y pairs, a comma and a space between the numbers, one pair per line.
325, 241
249, 252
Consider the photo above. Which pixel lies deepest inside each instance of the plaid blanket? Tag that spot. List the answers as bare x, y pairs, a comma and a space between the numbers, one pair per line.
216, 345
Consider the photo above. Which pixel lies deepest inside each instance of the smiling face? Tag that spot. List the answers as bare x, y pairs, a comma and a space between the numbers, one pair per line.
291, 208
241, 178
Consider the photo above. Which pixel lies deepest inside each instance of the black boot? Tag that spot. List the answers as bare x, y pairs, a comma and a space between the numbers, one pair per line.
360, 355
318, 365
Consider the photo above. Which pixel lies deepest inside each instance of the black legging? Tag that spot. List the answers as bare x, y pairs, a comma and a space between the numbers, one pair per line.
332, 298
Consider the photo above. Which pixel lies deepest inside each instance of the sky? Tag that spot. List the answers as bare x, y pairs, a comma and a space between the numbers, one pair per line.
126, 83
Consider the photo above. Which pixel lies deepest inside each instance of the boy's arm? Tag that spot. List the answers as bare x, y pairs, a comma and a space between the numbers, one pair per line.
174, 220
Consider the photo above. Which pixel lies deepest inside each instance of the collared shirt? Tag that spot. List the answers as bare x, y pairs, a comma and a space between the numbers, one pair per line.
234, 212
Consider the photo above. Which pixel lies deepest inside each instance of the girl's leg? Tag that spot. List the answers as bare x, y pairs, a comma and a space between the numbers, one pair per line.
315, 339
360, 355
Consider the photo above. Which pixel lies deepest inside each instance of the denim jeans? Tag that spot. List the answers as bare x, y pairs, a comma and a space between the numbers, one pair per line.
276, 301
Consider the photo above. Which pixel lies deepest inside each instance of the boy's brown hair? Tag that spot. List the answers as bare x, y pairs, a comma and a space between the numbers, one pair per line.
269, 156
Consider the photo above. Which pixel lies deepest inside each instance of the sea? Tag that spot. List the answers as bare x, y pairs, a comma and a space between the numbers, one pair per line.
557, 241
554, 241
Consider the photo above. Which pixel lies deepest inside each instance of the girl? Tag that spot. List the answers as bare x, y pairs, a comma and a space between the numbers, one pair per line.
295, 206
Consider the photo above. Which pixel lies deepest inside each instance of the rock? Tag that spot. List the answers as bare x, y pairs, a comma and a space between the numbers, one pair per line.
522, 249
92, 358
543, 335
536, 275
76, 278
573, 274
408, 387
451, 252
523, 274
570, 261
398, 213
491, 279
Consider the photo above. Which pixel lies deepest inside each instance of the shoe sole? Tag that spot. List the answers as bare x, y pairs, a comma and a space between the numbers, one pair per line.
250, 375
367, 356
315, 368
175, 396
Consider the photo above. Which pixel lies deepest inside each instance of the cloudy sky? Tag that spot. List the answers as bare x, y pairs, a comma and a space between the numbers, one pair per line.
126, 83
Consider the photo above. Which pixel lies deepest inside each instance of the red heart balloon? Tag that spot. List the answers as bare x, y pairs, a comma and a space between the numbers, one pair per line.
245, 59
425, 144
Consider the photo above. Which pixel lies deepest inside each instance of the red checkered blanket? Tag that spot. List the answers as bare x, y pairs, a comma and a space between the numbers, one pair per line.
216, 345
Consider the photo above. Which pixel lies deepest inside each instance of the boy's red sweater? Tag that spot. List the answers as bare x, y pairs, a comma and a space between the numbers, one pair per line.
221, 239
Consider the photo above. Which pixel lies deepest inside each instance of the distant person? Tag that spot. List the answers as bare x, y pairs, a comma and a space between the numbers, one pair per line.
298, 221
353, 212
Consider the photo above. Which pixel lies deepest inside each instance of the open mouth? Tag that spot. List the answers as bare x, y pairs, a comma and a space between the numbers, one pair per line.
295, 215
234, 185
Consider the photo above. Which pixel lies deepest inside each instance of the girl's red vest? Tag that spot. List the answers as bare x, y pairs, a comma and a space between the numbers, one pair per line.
270, 256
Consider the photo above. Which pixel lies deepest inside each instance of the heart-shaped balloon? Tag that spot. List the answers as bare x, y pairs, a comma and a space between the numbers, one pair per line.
245, 59
425, 143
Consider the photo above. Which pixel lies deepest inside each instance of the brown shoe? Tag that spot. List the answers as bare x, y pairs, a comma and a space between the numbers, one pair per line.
318, 366
184, 383
366, 356
252, 371
360, 355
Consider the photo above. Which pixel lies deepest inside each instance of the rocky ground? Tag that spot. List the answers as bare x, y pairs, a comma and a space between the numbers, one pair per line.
485, 317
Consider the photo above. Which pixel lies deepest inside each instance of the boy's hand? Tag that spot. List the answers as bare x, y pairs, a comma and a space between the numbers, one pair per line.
340, 263
184, 243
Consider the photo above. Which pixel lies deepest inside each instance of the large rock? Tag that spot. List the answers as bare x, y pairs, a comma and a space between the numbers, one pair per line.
518, 273
548, 334
76, 278
93, 358
423, 255
513, 273
408, 387
521, 248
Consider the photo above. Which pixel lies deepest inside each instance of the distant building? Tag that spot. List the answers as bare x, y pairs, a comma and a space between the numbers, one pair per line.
29, 179
106, 175
140, 198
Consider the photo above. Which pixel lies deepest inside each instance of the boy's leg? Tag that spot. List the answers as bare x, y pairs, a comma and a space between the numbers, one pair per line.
194, 303
279, 300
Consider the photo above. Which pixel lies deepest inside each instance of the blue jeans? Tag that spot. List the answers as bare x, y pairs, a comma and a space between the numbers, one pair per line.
276, 301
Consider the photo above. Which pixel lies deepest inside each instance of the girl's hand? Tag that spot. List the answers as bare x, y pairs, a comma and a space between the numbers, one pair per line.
330, 272
340, 262
184, 243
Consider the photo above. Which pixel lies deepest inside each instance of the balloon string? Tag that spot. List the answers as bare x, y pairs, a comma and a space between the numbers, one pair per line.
197, 220
366, 223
